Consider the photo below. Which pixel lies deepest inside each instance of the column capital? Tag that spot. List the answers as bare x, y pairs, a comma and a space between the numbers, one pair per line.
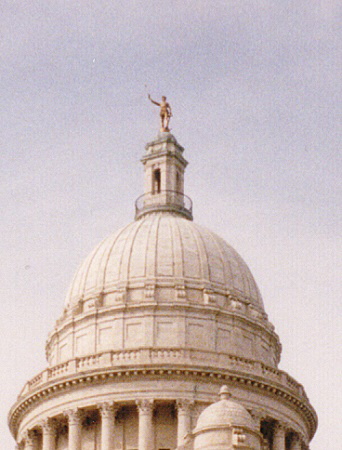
145, 405
108, 409
74, 416
281, 426
30, 437
184, 405
49, 426
258, 415
296, 443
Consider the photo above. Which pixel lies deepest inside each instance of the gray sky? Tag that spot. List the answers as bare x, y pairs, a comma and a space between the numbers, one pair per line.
255, 87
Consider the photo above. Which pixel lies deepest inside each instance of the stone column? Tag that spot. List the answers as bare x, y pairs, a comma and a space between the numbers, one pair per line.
49, 434
146, 437
279, 435
108, 412
258, 415
75, 429
30, 440
184, 420
296, 443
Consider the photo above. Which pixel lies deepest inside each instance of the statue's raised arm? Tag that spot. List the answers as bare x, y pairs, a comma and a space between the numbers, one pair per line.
165, 112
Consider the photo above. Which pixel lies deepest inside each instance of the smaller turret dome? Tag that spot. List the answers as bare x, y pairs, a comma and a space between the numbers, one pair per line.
224, 413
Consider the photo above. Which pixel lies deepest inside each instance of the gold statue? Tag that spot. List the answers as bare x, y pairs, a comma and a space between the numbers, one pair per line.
165, 112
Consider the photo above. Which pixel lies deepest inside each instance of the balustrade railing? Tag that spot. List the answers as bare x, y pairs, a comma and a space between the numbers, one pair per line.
179, 356
164, 200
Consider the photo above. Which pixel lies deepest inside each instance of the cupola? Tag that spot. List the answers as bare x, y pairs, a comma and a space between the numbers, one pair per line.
164, 167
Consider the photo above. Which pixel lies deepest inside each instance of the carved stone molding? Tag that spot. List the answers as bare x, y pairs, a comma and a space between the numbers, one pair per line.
149, 291
30, 438
108, 410
239, 437
180, 292
74, 416
258, 415
281, 426
209, 297
49, 426
259, 382
145, 406
184, 406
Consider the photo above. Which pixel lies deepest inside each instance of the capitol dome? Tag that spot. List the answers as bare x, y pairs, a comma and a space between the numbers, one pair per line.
170, 251
156, 318
173, 268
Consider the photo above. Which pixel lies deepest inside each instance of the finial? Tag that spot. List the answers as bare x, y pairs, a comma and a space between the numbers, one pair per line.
165, 113
224, 393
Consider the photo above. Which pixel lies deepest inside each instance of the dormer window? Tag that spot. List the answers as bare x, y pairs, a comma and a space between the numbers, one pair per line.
156, 182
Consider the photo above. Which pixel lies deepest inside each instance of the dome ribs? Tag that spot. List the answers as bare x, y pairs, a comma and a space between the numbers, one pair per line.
116, 239
147, 246
213, 258
124, 271
202, 256
139, 245
193, 265
86, 272
226, 269
164, 251
168, 248
75, 291
177, 251
152, 249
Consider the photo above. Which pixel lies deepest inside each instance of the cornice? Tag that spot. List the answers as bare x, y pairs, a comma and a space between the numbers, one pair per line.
251, 382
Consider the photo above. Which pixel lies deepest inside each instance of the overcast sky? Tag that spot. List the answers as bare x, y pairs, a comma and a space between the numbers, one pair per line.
255, 88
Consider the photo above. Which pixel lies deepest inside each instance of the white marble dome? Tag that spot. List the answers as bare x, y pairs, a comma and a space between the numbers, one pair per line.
163, 281
170, 251
157, 317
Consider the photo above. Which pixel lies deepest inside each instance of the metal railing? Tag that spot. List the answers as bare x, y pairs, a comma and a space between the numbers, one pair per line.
165, 200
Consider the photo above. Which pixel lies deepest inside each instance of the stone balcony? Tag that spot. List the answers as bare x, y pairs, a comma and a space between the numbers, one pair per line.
167, 358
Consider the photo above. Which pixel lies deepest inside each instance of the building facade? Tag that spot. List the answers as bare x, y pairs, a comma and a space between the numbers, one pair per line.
159, 316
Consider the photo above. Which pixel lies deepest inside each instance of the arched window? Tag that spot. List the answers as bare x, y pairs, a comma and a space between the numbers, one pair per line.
156, 181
